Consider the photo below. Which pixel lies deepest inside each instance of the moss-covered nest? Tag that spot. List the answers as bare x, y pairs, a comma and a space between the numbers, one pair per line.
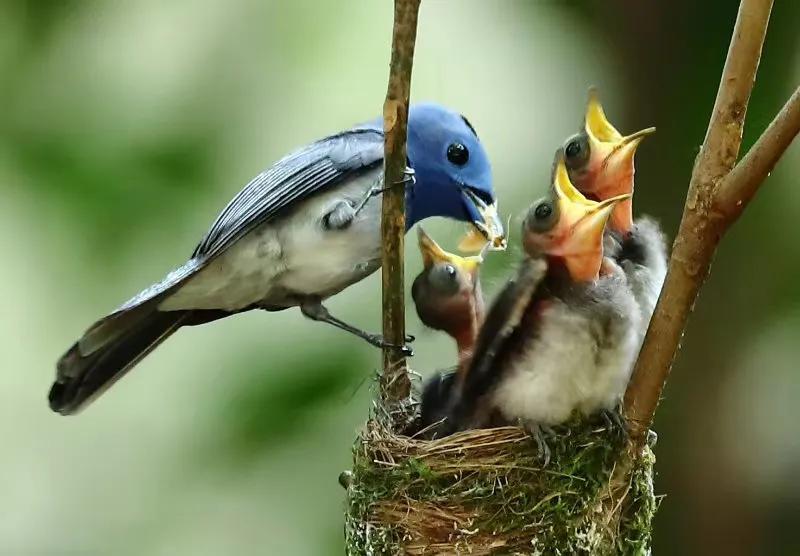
485, 492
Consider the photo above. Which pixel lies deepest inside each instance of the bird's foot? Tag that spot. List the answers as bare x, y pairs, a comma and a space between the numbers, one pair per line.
315, 310
377, 340
540, 433
615, 422
409, 180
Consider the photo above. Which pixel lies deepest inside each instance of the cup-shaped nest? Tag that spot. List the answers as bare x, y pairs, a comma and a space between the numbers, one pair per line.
486, 492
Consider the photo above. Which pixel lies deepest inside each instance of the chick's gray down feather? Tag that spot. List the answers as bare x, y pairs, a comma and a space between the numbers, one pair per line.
642, 255
570, 349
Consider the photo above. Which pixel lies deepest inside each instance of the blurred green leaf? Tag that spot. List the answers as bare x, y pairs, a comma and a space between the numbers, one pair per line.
40, 18
265, 410
117, 187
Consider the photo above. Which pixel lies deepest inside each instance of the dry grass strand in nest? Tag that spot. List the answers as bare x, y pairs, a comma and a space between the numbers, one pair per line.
485, 492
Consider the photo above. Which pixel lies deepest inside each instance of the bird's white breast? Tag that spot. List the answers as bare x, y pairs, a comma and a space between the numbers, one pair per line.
576, 361
324, 262
291, 255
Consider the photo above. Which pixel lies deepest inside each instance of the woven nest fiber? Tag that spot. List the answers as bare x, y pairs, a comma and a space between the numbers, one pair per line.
486, 492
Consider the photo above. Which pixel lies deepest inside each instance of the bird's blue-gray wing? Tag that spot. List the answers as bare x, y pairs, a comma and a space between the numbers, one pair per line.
289, 181
297, 176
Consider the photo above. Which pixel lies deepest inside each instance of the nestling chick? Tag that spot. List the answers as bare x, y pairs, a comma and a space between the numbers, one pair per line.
600, 164
562, 336
600, 161
447, 293
438, 395
448, 297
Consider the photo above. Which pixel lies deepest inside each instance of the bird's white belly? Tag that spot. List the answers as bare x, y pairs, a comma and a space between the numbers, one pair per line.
564, 370
324, 262
292, 255
237, 278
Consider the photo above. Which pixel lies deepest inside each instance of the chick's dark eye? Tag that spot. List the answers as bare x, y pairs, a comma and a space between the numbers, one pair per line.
450, 270
573, 148
458, 154
543, 211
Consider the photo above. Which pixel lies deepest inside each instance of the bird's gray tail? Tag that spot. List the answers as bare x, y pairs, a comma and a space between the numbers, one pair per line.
84, 372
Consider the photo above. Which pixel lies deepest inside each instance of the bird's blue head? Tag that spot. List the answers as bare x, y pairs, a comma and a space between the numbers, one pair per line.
452, 170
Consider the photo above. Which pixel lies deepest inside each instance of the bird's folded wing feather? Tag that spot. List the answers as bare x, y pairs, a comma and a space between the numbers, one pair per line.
292, 179
503, 319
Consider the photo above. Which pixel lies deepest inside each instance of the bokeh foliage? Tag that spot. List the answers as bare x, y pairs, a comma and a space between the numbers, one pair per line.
125, 128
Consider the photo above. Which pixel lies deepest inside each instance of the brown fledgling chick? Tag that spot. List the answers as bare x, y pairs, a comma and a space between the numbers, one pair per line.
447, 294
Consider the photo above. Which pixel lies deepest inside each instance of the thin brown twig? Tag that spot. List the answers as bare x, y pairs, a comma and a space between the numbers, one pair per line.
724, 134
395, 380
702, 226
743, 182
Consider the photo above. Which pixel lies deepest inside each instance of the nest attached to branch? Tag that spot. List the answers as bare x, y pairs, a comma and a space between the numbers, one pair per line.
485, 492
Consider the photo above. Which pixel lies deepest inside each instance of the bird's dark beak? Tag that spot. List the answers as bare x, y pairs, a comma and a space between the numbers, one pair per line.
433, 254
485, 225
611, 161
580, 227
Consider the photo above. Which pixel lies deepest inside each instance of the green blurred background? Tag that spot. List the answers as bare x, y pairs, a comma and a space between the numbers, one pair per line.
125, 127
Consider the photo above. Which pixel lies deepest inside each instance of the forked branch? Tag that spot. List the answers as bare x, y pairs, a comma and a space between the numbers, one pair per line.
718, 192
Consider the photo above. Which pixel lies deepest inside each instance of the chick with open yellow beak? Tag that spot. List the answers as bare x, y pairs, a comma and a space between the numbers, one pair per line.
561, 337
447, 293
447, 296
600, 161
600, 164
568, 228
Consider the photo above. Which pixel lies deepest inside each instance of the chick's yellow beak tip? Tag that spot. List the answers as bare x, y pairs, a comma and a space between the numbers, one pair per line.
432, 254
597, 125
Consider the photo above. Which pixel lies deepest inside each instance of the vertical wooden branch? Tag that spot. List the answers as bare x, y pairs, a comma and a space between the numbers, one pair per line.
395, 382
708, 214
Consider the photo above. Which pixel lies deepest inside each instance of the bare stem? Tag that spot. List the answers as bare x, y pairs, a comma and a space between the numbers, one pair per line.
396, 384
743, 182
701, 226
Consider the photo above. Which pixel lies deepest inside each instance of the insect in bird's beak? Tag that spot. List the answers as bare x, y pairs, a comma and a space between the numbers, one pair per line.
433, 254
578, 236
486, 229
611, 160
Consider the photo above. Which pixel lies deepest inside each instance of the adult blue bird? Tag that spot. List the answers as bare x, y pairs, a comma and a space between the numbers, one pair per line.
301, 231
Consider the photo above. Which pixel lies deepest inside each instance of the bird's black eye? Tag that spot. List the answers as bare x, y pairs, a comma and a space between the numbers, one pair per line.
443, 279
542, 217
576, 151
458, 154
543, 211
573, 148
